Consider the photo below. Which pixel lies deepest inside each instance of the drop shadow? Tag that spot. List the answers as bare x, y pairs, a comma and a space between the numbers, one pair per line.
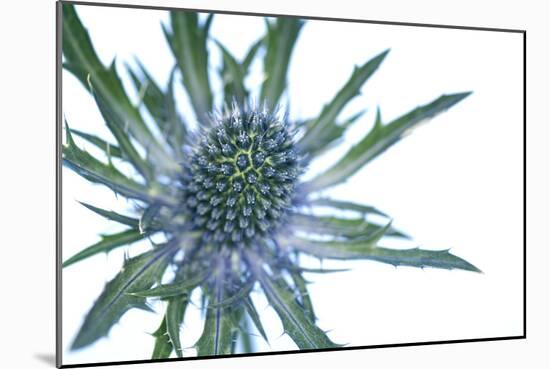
46, 358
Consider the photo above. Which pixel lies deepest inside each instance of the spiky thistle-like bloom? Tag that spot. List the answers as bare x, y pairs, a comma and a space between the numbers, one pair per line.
229, 196
240, 180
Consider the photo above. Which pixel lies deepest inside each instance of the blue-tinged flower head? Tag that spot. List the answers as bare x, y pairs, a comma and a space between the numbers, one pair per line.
241, 177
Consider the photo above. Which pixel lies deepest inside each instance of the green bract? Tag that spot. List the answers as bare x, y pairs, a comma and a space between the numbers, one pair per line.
228, 196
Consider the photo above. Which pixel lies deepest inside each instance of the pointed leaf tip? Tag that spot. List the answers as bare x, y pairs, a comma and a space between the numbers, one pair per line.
163, 347
111, 215
106, 244
380, 138
323, 129
175, 313
297, 324
139, 272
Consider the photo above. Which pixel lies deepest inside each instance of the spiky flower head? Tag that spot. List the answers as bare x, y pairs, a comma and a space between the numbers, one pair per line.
240, 180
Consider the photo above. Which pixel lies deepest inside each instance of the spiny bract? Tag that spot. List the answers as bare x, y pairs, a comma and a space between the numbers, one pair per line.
228, 197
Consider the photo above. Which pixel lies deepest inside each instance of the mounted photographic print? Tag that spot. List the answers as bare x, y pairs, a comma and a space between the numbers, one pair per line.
235, 184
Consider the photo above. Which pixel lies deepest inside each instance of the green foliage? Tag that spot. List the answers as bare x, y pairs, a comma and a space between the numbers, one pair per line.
188, 39
179, 287
219, 330
346, 205
175, 312
96, 171
107, 243
280, 40
138, 273
112, 151
296, 322
146, 222
233, 78
111, 215
161, 105
303, 298
228, 196
380, 138
82, 61
367, 248
254, 316
116, 124
163, 347
233, 74
341, 227
324, 130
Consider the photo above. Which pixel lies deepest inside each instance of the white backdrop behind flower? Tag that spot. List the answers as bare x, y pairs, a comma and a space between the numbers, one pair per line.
455, 183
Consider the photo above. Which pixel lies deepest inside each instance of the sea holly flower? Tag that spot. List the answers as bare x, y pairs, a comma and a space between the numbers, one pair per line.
229, 195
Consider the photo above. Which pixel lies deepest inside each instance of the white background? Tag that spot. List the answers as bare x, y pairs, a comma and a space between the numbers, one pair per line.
28, 320
455, 183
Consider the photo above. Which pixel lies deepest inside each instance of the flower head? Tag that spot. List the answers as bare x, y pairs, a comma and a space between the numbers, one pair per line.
240, 181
